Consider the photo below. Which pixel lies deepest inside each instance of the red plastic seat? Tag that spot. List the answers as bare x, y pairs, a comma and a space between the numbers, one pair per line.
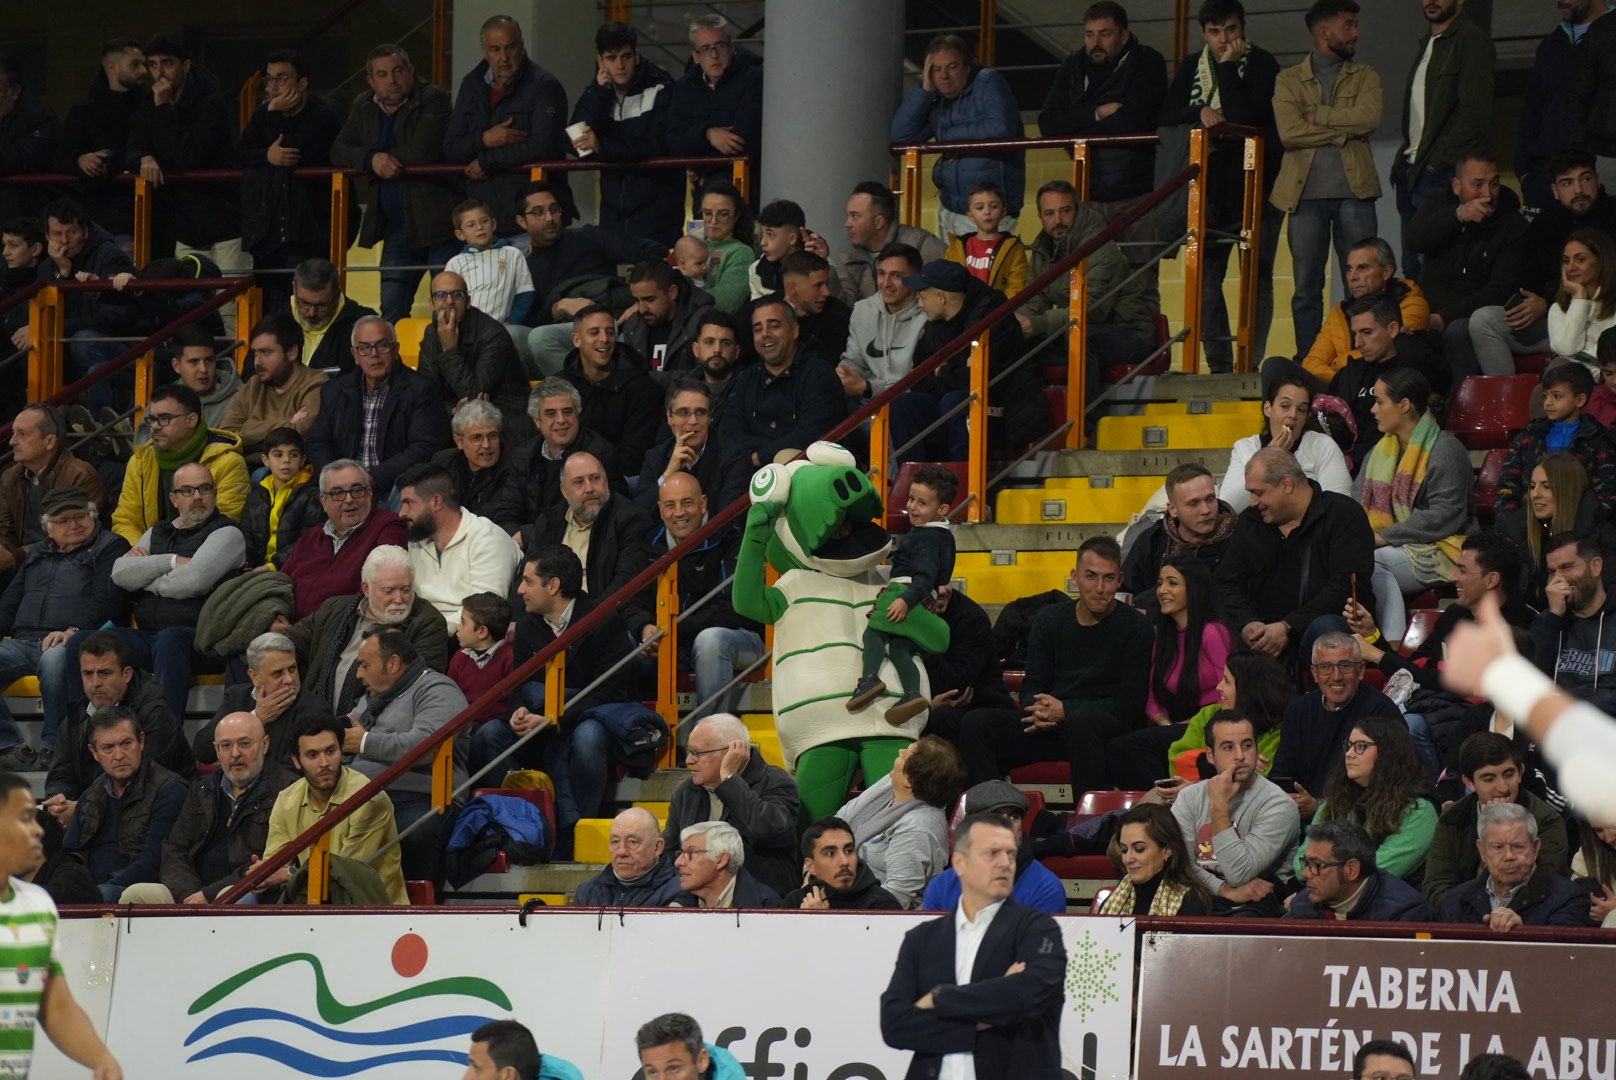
1095, 803
897, 516
1114, 373
1013, 678
1081, 867
1035, 806
1042, 772
1492, 470
1487, 409
1100, 896
421, 893
1533, 363
1420, 625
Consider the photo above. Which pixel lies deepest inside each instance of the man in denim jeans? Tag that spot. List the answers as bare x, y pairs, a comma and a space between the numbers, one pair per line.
1326, 108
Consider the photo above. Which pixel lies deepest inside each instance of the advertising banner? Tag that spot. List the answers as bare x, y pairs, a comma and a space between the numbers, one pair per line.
1282, 1006
790, 994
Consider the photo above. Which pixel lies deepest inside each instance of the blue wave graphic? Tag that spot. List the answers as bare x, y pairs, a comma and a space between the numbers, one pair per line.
443, 1027
312, 1065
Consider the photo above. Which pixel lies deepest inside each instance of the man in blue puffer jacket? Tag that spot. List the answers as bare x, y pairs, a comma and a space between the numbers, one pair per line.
959, 100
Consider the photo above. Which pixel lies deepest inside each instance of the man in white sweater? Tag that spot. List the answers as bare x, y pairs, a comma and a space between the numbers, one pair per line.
1238, 827
453, 552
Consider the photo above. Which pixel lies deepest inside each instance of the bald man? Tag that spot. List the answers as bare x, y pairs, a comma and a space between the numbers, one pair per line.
222, 828
713, 638
607, 532
640, 874
467, 354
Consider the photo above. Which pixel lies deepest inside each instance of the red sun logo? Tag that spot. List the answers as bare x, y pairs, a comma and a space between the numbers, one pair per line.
409, 955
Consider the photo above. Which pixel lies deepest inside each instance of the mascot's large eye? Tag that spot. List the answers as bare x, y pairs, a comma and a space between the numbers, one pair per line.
855, 482
841, 489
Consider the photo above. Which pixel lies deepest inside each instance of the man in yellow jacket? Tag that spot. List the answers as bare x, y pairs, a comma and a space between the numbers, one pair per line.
1371, 268
178, 437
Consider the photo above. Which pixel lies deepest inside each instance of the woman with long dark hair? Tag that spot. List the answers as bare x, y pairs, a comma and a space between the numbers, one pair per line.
1288, 424
1380, 784
727, 220
1191, 643
1157, 878
1585, 306
1259, 686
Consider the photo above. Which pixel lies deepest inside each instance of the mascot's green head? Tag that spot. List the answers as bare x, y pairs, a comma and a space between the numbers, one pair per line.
824, 512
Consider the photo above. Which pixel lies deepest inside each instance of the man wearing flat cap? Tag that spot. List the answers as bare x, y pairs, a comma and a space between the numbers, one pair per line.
1036, 885
955, 302
62, 583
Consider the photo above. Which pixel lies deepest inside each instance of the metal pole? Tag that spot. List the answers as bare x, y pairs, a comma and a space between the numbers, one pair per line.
1251, 268
143, 222
1195, 250
667, 617
976, 467
45, 317
986, 35
440, 42
881, 454
741, 173
1181, 19
911, 187
339, 226
249, 97
1077, 337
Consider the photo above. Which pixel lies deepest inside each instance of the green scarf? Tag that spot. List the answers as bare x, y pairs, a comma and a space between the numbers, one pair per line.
1205, 91
188, 451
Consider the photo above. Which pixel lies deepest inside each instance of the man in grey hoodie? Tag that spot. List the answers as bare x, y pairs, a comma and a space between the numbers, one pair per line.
884, 328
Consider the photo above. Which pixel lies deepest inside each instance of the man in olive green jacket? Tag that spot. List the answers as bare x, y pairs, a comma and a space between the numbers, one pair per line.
1121, 323
1326, 108
1446, 110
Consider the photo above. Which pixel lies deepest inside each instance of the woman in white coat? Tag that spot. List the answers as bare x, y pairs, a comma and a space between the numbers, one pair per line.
1287, 424
1586, 305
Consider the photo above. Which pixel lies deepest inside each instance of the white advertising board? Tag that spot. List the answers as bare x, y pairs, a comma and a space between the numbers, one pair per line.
274, 997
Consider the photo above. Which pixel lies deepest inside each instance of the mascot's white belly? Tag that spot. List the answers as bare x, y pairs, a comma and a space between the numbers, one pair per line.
818, 658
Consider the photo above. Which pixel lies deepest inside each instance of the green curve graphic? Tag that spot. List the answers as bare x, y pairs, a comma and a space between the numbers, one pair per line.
335, 1012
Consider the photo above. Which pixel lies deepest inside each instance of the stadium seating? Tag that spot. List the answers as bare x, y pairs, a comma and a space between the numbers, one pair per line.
1487, 409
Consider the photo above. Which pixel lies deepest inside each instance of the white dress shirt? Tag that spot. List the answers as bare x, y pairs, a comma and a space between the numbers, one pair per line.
968, 937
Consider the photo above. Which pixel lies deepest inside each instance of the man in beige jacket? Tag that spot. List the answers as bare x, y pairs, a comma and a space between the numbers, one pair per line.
1326, 107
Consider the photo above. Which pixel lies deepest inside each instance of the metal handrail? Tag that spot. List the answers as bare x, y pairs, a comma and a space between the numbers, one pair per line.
715, 523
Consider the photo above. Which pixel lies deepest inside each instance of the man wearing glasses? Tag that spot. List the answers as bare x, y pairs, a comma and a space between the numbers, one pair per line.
325, 315
170, 572
1317, 723
712, 870
178, 438
718, 105
327, 562
382, 414
695, 448
1342, 882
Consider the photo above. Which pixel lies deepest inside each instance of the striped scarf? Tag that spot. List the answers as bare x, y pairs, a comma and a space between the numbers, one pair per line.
1205, 90
1393, 480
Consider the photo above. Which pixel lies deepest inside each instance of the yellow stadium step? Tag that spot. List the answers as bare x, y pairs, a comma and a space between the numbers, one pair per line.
28, 685
1032, 572
659, 810
409, 333
592, 840
1172, 433
1252, 409
1075, 499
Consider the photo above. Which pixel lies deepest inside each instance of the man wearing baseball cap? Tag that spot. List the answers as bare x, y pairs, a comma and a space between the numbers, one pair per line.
954, 301
1036, 886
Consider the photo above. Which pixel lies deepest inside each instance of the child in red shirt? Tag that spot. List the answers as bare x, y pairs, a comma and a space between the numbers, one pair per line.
997, 259
485, 656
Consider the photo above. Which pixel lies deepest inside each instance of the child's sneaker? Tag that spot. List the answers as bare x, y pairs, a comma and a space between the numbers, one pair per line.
908, 707
868, 689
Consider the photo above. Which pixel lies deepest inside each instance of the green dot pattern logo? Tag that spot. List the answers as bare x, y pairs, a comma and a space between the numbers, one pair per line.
762, 484
1091, 976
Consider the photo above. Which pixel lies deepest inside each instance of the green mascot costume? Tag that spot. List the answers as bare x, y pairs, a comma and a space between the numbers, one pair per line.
813, 520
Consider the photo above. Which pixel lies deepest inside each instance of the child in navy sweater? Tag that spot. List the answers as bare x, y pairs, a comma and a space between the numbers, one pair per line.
899, 623
485, 656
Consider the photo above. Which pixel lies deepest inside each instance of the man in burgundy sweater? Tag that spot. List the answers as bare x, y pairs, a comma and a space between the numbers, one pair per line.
325, 562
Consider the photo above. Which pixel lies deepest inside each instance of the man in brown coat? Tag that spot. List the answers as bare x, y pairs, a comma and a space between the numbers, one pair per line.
41, 462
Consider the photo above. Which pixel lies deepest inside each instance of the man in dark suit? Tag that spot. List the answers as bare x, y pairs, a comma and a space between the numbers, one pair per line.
612, 530
1517, 889
986, 980
382, 414
580, 759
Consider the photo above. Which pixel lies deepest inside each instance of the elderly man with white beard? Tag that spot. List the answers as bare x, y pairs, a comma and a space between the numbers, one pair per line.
328, 641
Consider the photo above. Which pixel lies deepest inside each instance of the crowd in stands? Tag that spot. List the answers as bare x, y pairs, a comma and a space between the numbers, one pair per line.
361, 534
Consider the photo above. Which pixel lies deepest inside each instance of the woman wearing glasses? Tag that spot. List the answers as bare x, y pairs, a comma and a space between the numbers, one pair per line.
727, 220
1380, 784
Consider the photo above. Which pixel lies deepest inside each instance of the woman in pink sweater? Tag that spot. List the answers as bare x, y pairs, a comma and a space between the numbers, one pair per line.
1191, 643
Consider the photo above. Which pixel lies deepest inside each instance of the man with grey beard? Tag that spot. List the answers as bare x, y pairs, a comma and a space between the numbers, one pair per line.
608, 534
328, 641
